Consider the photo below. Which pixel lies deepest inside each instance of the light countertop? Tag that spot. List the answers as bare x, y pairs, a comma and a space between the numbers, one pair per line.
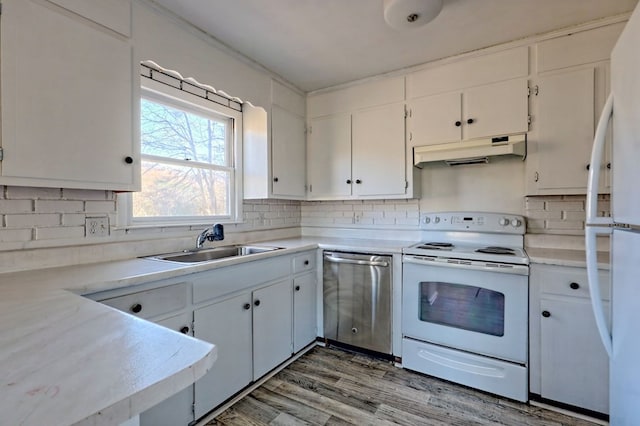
66, 359
564, 257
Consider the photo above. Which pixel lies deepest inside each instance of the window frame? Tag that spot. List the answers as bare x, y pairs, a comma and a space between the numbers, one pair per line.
158, 92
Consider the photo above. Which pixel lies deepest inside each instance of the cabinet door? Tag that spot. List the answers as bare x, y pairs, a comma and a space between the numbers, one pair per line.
227, 324
66, 100
496, 109
329, 157
574, 364
435, 119
304, 311
565, 128
379, 151
287, 153
177, 409
272, 327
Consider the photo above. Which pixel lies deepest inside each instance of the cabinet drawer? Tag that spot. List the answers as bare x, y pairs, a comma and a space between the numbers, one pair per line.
180, 323
151, 303
568, 281
304, 262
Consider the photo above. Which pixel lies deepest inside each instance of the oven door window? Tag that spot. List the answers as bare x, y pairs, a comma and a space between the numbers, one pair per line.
462, 306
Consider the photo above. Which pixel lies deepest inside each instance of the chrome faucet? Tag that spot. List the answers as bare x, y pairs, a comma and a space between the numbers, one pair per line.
215, 233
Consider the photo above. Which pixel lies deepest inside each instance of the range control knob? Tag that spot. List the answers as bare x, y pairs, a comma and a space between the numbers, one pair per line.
437, 219
504, 221
516, 223
427, 220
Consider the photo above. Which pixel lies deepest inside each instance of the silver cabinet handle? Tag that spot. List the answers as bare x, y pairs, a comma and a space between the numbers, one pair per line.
356, 262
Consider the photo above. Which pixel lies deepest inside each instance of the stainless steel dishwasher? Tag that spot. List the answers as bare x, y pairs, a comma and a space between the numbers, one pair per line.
357, 300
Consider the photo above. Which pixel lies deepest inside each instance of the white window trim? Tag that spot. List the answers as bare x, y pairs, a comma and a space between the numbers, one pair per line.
164, 93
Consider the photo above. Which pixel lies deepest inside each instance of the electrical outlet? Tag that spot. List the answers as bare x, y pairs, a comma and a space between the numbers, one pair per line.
96, 226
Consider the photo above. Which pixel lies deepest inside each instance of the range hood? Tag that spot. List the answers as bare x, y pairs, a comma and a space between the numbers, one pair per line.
471, 151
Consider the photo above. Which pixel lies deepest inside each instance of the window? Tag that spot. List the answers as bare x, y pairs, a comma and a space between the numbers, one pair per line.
189, 159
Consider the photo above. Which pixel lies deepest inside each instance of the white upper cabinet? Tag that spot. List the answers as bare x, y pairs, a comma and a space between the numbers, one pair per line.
274, 147
67, 100
565, 129
288, 153
356, 146
477, 97
568, 94
496, 109
379, 151
329, 157
484, 111
438, 119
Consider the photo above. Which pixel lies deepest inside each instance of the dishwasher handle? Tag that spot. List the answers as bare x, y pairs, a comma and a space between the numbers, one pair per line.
334, 259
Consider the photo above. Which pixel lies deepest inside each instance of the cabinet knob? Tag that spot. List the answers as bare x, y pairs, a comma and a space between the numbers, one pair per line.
247, 306
275, 179
306, 262
546, 314
257, 302
297, 288
348, 181
358, 181
574, 286
128, 160
470, 121
136, 308
458, 123
588, 166
609, 166
184, 330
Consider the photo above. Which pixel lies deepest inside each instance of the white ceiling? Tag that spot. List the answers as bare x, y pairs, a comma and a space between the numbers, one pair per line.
315, 44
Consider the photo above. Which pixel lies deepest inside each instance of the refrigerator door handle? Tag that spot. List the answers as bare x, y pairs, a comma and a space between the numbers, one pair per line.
605, 223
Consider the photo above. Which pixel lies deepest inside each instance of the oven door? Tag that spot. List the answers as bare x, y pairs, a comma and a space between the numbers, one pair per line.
474, 308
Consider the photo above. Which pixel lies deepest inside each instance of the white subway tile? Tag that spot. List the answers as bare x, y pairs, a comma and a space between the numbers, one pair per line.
63, 232
99, 206
31, 220
85, 195
569, 215
534, 204
384, 221
23, 192
565, 224
565, 205
544, 214
16, 206
71, 219
15, 235
57, 206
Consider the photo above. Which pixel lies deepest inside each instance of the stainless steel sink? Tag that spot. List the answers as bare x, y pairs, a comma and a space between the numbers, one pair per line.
209, 255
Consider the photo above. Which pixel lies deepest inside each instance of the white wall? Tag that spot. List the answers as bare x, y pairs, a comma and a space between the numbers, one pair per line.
494, 187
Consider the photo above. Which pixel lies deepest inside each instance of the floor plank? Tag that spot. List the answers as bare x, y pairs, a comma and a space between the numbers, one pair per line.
332, 387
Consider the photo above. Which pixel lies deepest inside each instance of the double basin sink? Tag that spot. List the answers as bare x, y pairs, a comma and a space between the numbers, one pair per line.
212, 254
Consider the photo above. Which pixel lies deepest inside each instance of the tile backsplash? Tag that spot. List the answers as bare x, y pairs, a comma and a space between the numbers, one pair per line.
46, 217
401, 214
561, 214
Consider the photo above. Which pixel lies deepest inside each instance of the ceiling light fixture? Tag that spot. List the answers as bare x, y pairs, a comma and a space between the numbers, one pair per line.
403, 14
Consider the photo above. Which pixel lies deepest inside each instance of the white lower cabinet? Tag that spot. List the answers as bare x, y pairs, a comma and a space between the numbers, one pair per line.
177, 409
227, 324
252, 331
568, 362
272, 327
304, 311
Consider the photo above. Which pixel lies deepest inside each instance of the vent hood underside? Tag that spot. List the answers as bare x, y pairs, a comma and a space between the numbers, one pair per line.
471, 152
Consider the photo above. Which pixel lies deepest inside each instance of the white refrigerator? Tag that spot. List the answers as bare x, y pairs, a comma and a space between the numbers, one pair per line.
620, 335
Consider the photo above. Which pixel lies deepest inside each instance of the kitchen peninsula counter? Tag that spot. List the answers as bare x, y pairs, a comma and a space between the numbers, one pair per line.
66, 359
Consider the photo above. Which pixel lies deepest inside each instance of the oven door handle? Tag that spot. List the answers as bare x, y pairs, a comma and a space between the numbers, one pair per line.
334, 259
468, 265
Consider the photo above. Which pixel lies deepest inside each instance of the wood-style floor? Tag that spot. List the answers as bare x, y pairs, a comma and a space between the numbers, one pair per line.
329, 386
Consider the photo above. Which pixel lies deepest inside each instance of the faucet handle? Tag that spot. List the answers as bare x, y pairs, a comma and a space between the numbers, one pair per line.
218, 233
